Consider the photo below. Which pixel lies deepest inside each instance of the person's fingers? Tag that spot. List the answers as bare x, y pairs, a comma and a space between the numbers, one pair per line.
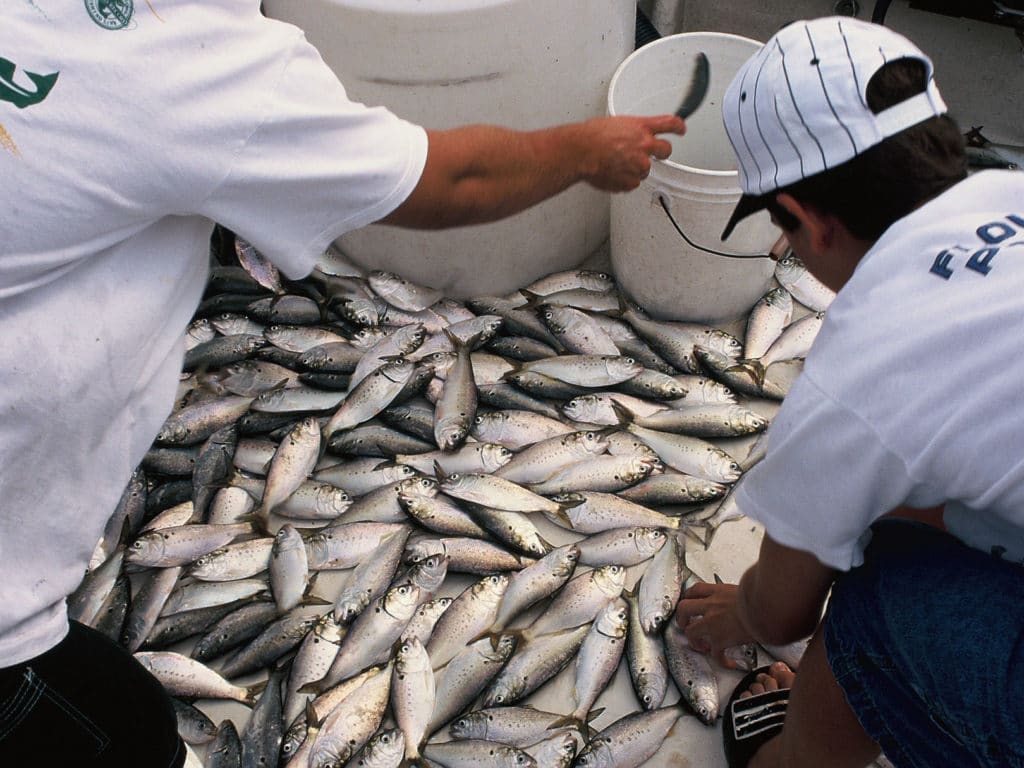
687, 609
666, 124
661, 149
699, 590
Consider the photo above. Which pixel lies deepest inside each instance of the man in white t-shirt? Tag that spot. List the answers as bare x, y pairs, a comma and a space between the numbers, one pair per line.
126, 130
908, 408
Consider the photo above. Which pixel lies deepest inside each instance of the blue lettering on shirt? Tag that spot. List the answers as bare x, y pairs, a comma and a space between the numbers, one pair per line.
992, 233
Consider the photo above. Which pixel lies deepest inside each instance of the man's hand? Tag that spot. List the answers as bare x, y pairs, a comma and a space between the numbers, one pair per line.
709, 618
621, 149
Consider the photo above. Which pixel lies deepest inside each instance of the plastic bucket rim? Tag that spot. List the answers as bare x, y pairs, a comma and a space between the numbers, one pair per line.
671, 39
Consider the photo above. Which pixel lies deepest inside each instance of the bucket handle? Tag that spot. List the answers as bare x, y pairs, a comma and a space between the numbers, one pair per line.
664, 204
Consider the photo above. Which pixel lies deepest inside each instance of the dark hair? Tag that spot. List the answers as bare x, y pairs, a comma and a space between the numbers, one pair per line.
886, 182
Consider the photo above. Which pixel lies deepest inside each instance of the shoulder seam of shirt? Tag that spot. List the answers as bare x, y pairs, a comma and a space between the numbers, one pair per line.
298, 36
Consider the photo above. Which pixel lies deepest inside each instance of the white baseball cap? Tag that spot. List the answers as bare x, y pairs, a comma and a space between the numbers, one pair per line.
798, 107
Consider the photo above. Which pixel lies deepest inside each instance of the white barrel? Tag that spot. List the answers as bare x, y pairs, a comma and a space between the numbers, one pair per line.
523, 64
699, 184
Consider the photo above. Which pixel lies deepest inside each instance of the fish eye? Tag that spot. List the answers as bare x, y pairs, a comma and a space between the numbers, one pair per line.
478, 420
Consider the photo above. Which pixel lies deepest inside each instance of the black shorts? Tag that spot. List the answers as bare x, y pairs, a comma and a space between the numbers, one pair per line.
86, 702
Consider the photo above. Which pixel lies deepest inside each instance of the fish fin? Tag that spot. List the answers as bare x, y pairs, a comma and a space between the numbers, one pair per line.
315, 686
623, 414
718, 579
572, 499
752, 368
559, 518
518, 366
546, 545
699, 533
532, 299
253, 692
622, 310
439, 472
569, 721
312, 721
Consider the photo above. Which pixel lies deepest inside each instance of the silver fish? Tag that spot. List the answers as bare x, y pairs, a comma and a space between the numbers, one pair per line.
599, 473
598, 659
705, 421
182, 676
461, 680
402, 293
292, 464
412, 694
541, 460
370, 578
371, 396
661, 585
770, 315
516, 429
289, 568
182, 544
622, 546
577, 331
190, 597
794, 276
470, 457
534, 663
472, 754
345, 545
518, 726
579, 601
233, 562
469, 615
599, 512
385, 750
693, 674
586, 370
630, 741
645, 655
373, 631
456, 408
351, 724
569, 280
690, 455
315, 655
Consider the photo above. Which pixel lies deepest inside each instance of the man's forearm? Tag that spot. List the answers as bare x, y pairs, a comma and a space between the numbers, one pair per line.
480, 173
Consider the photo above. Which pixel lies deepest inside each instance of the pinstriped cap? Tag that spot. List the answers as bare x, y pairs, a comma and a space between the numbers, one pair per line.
798, 107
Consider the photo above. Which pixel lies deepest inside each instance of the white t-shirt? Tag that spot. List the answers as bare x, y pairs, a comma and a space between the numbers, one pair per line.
914, 390
123, 135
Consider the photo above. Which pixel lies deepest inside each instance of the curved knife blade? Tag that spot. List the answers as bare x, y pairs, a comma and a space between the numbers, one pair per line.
698, 87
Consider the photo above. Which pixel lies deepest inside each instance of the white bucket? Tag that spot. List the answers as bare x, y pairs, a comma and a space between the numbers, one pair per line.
699, 185
523, 64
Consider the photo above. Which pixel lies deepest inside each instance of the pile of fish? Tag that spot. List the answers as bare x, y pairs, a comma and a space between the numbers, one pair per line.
413, 450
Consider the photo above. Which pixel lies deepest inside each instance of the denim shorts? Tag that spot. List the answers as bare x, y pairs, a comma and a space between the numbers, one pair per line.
86, 703
926, 639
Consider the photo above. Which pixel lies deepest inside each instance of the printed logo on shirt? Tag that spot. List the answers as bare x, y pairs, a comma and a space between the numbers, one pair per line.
994, 236
19, 95
110, 14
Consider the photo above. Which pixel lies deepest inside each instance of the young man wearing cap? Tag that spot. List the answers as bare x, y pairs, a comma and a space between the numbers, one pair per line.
908, 407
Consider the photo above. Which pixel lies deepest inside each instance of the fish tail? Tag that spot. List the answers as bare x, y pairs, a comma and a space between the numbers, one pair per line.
253, 692
752, 368
573, 721
624, 416
558, 517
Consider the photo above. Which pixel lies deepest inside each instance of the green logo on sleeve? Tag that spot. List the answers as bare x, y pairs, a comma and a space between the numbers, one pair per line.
110, 14
19, 96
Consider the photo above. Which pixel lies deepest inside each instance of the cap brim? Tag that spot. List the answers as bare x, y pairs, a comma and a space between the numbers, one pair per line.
747, 205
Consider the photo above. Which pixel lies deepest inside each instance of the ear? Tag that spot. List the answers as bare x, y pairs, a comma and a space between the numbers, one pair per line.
820, 228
